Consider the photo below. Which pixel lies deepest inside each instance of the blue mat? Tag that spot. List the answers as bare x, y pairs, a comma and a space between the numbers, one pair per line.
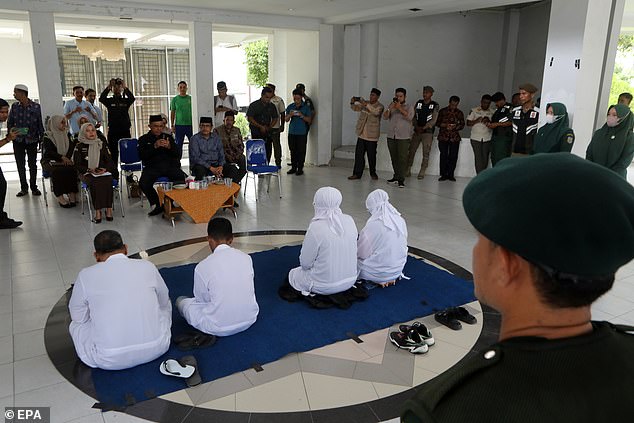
282, 327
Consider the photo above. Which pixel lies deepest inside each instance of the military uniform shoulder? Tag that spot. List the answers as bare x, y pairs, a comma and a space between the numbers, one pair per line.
443, 388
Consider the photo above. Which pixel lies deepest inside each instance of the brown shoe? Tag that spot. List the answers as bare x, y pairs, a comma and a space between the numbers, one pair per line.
353, 177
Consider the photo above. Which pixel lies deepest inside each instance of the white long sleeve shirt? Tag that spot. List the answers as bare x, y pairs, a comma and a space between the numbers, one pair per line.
224, 295
382, 253
121, 313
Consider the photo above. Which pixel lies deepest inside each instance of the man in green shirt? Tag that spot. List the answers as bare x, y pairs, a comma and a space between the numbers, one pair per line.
181, 116
552, 363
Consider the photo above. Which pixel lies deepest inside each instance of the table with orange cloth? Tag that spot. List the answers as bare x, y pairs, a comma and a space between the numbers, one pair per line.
199, 204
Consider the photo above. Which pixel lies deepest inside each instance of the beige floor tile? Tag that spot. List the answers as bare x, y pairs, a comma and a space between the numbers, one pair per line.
179, 397
374, 343
330, 392
285, 394
377, 359
386, 390
227, 403
440, 357
35, 373
422, 375
346, 350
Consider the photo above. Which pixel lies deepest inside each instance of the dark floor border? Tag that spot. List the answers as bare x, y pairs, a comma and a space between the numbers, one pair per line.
61, 351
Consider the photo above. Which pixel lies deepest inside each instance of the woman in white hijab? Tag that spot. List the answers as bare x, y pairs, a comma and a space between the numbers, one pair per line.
57, 153
329, 252
96, 168
382, 245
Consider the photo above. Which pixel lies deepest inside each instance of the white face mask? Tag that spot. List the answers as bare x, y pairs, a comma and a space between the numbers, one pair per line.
550, 118
612, 121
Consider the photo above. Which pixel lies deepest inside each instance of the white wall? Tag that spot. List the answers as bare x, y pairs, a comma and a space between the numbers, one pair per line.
530, 58
19, 68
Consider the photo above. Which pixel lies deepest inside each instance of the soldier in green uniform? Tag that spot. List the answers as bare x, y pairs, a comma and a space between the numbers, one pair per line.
556, 135
552, 363
502, 131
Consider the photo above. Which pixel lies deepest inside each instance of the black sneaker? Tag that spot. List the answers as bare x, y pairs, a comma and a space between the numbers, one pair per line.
443, 178
422, 330
156, 211
36, 191
22, 193
392, 181
452, 179
401, 184
9, 224
410, 341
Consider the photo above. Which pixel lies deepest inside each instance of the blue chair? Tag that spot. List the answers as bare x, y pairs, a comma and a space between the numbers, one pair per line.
129, 160
257, 166
85, 189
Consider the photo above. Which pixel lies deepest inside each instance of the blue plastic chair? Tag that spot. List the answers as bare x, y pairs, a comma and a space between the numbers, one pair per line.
129, 160
257, 166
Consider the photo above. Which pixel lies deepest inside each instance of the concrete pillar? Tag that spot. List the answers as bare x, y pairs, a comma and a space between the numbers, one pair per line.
580, 56
201, 71
369, 57
329, 104
42, 26
351, 81
510, 35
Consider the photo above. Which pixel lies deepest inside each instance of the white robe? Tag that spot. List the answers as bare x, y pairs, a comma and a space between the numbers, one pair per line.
328, 263
382, 253
121, 314
224, 295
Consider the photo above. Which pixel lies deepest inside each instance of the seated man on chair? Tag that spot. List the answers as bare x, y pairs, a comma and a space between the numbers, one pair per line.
120, 309
161, 158
224, 296
328, 259
235, 161
206, 155
382, 245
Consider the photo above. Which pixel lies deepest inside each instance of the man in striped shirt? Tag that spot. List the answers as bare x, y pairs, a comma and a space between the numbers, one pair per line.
524, 121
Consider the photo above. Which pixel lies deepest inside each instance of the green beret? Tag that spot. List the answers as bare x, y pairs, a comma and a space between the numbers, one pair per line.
556, 210
528, 87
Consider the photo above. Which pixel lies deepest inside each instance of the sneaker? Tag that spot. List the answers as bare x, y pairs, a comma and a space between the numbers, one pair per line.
9, 224
22, 193
392, 181
401, 184
36, 191
422, 330
410, 341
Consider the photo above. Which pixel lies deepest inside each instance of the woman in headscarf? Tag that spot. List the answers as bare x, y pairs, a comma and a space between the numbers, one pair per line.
556, 135
57, 153
328, 259
382, 245
612, 145
96, 168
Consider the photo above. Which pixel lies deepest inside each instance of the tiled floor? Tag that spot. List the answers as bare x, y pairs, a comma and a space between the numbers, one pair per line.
43, 257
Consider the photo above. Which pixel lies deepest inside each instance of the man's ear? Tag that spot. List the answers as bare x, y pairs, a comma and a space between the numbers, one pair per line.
229, 240
511, 265
125, 249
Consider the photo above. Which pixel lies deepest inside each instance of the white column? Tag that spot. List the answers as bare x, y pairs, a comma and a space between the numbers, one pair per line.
201, 71
49, 84
510, 35
351, 81
580, 60
369, 57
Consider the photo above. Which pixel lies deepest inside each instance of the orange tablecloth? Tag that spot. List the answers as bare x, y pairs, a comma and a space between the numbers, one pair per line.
202, 204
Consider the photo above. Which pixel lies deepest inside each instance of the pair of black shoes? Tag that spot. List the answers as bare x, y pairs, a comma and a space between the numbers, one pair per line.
24, 192
447, 178
295, 171
452, 317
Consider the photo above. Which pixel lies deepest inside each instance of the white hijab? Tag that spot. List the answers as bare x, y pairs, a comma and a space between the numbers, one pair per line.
380, 209
326, 202
94, 146
59, 137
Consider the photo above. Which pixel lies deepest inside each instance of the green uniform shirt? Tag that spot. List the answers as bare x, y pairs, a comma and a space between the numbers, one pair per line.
584, 379
182, 105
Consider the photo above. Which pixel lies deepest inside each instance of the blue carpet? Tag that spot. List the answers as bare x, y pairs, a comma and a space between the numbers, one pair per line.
282, 327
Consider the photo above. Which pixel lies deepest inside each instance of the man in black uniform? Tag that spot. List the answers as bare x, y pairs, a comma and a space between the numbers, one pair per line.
5, 221
502, 131
524, 122
262, 116
118, 116
161, 157
552, 363
426, 113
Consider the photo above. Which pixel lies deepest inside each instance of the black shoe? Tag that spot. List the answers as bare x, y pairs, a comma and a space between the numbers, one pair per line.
22, 193
299, 172
410, 341
36, 191
401, 184
422, 330
290, 172
110, 219
442, 178
97, 220
65, 206
354, 177
374, 177
73, 204
156, 211
235, 204
451, 178
391, 181
10, 224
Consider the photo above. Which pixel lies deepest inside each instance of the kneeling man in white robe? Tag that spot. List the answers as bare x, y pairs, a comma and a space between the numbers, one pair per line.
120, 309
328, 259
224, 295
382, 245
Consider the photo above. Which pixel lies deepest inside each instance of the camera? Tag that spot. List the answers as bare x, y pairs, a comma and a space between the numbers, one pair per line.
395, 100
118, 81
357, 98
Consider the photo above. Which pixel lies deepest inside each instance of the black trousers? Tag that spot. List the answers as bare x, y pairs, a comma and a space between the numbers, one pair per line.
21, 151
114, 135
229, 170
448, 158
3, 196
237, 169
273, 143
150, 175
364, 147
297, 146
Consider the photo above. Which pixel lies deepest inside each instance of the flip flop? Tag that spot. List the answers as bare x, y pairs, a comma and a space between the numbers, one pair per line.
462, 314
199, 340
446, 318
190, 361
171, 367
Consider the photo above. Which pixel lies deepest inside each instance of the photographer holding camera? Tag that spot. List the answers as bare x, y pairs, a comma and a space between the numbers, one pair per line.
368, 130
399, 133
118, 106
